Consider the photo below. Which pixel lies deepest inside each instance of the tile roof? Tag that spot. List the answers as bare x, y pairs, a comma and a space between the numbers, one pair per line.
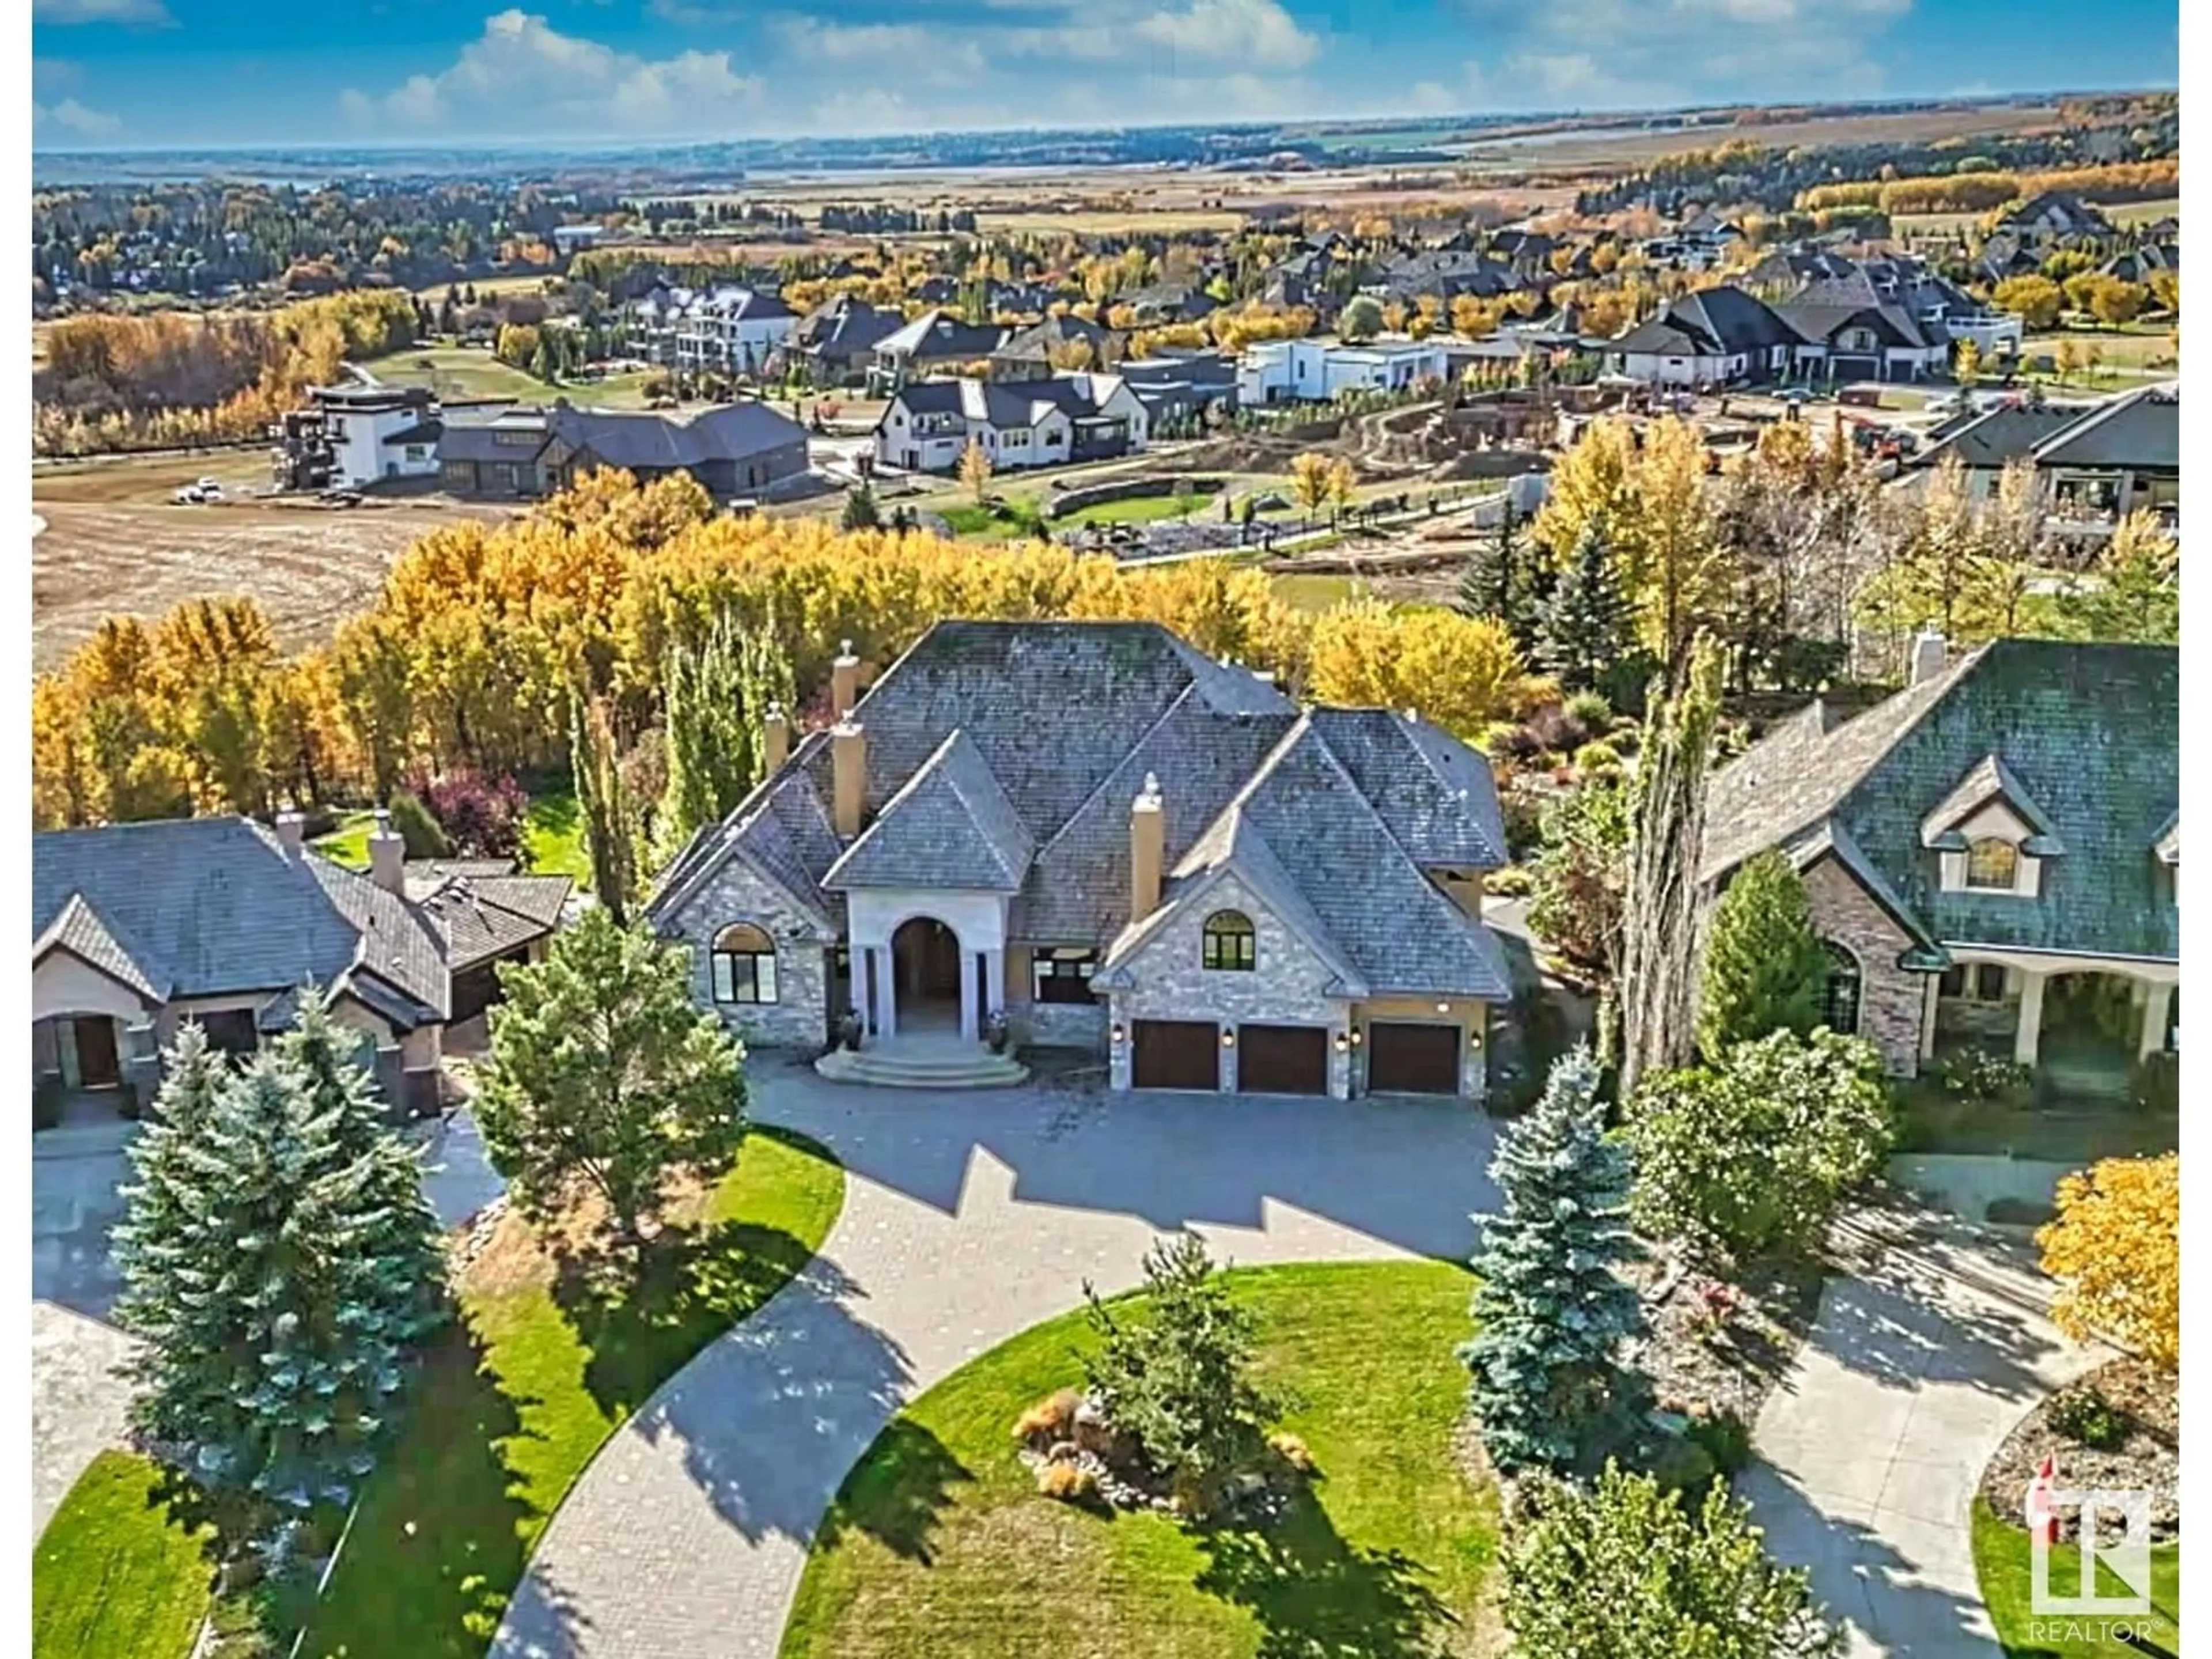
208, 906
950, 826
2088, 732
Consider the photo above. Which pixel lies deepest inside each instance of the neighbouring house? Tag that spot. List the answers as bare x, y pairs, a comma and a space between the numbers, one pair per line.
569, 239
1043, 349
1993, 853
2097, 464
838, 339
1440, 274
137, 927
1182, 388
927, 425
2142, 262
1715, 337
1169, 302
1315, 370
354, 436
2054, 215
1121, 845
740, 450
1698, 243
730, 330
1851, 330
936, 339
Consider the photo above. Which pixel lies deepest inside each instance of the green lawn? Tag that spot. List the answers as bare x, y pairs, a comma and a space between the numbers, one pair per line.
2001, 1563
543, 1367
116, 1572
1317, 592
470, 372
552, 837
1141, 509
939, 1543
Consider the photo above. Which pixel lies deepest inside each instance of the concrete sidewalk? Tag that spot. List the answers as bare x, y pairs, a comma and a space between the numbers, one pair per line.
1874, 1445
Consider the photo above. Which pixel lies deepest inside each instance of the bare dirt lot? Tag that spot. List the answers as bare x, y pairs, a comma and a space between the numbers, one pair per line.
113, 544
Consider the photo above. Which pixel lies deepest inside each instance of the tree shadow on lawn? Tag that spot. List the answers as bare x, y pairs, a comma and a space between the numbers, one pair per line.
445, 1524
1319, 1596
898, 1493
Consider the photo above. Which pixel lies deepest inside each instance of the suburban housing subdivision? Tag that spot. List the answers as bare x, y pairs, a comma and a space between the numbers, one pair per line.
1116, 843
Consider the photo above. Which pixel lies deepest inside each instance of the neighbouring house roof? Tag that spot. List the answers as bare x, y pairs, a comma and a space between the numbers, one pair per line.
483, 909
1715, 322
1989, 780
1823, 308
2088, 736
846, 327
940, 334
1039, 341
731, 432
1992, 437
210, 907
1004, 404
2139, 429
1004, 755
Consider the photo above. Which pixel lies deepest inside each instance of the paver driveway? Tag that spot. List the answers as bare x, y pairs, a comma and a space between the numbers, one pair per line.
967, 1218
1874, 1445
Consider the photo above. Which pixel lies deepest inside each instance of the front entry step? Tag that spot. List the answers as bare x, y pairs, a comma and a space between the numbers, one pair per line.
896, 1064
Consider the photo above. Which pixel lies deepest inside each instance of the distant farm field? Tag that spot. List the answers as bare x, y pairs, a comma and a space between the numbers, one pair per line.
1108, 222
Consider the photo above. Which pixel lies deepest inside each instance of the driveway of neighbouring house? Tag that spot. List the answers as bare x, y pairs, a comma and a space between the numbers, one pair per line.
1873, 1447
968, 1217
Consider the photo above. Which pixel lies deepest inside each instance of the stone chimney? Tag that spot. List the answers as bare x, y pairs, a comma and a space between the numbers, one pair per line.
844, 682
292, 832
1928, 652
775, 740
388, 855
1148, 845
848, 761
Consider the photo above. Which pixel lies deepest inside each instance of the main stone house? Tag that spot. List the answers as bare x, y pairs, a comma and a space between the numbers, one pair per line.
1119, 845
1993, 853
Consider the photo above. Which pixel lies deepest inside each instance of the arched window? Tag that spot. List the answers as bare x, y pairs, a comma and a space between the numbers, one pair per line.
1839, 1006
743, 964
1991, 863
1229, 941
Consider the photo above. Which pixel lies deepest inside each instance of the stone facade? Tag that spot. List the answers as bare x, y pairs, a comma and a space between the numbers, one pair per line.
1892, 1002
799, 1017
1285, 986
1471, 1016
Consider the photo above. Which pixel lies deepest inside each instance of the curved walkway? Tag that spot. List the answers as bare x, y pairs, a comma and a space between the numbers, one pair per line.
1874, 1445
966, 1218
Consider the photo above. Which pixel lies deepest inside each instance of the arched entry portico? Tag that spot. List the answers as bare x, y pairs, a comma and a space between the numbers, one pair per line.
927, 960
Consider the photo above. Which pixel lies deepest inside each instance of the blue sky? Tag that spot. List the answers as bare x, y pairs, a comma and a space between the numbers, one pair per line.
153, 72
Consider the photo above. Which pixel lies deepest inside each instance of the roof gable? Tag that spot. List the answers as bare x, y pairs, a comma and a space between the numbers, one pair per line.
950, 826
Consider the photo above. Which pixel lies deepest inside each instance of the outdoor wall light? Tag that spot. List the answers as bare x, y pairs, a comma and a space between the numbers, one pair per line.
1475, 1039
1228, 1039
1443, 1007
1121, 1034
1343, 1043
1355, 1036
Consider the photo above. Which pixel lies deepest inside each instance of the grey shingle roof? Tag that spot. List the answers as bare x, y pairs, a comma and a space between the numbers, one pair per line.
80, 930
1992, 438
940, 334
206, 906
2140, 429
482, 908
731, 432
1713, 321
950, 826
2088, 732
1434, 792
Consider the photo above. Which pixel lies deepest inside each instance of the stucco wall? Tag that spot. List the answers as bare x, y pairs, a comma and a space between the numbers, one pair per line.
799, 1018
1284, 988
1471, 1015
64, 984
1891, 1000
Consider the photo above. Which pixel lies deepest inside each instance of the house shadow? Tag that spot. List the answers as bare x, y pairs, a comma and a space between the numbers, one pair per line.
1318, 1596
1406, 1171
1861, 1579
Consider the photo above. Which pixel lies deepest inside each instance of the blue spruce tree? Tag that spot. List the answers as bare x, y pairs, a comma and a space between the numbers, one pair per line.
1551, 1311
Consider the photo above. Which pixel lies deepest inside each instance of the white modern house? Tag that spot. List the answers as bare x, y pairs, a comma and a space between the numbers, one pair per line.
379, 431
1315, 370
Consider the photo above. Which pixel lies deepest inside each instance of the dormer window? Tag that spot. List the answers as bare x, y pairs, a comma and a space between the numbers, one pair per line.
1992, 865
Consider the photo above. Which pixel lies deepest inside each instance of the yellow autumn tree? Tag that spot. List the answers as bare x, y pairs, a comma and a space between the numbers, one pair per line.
1462, 673
1312, 478
975, 470
2115, 1250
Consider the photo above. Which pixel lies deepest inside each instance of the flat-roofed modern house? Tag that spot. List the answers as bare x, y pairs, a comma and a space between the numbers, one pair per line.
1993, 853
1315, 370
1116, 844
138, 928
737, 450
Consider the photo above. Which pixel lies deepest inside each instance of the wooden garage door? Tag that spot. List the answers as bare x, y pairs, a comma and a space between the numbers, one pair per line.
1282, 1060
1174, 1053
1413, 1059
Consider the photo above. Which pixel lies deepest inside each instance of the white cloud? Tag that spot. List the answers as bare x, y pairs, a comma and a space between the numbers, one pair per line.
869, 110
75, 118
521, 77
100, 11
1258, 31
917, 49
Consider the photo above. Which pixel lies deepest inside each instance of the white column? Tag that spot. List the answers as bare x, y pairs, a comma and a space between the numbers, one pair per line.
2158, 1003
2030, 1017
968, 1022
995, 981
1928, 996
881, 960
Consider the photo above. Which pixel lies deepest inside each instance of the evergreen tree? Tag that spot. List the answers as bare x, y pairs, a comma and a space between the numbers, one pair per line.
860, 510
610, 822
709, 738
1551, 1312
1589, 625
1766, 969
424, 837
1505, 579
280, 1266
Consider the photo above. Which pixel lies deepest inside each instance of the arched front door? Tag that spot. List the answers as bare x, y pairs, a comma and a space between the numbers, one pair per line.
926, 965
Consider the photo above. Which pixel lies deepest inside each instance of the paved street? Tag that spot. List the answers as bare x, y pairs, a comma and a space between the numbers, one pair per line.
1874, 1443
967, 1218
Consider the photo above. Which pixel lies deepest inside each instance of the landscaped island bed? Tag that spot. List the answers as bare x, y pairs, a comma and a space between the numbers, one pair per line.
940, 1542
